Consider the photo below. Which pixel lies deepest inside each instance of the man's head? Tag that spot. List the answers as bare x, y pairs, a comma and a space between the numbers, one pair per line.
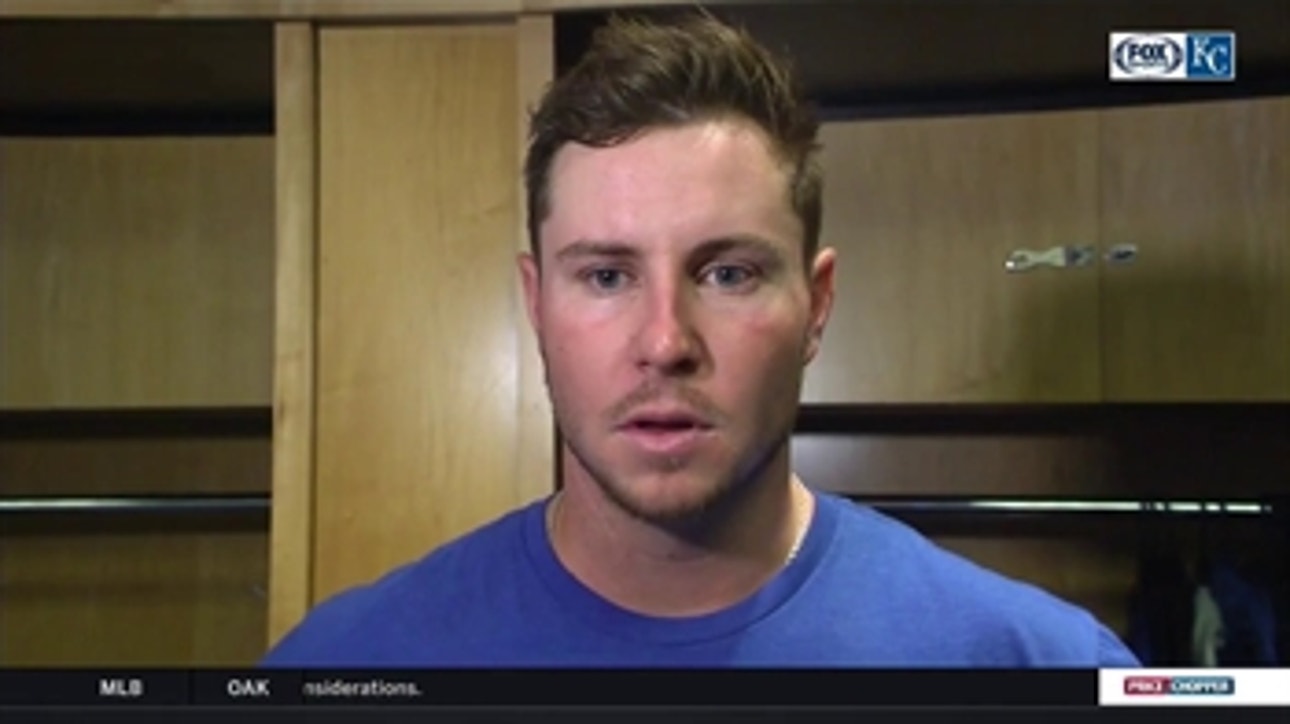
639, 76
674, 281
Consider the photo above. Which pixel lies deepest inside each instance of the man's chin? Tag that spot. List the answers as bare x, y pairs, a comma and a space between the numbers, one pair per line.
675, 503
668, 515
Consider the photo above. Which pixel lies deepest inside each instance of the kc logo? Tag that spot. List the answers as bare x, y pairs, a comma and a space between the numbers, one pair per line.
1211, 56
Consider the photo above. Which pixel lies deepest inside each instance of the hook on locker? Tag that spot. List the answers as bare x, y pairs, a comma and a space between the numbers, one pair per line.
1122, 254
1058, 257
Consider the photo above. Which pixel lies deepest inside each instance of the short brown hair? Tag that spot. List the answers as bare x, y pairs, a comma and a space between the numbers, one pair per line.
640, 74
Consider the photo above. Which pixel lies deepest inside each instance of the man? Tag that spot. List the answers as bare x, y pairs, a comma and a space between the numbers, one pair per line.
677, 291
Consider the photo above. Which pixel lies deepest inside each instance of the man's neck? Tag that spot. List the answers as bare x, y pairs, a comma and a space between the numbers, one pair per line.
650, 570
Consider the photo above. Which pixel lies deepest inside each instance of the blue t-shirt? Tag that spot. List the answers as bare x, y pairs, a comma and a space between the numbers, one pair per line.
864, 590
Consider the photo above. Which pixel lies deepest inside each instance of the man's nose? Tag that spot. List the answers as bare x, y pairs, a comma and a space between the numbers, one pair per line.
669, 342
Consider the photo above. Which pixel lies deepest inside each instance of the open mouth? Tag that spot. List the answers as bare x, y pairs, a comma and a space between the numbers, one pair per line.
666, 434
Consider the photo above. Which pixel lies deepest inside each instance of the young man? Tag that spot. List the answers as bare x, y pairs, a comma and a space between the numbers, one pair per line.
677, 291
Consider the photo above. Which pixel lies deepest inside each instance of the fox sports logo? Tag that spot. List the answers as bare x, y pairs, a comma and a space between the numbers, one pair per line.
1148, 55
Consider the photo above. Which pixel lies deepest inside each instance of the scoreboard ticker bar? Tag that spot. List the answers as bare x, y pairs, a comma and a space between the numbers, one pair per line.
572, 689
545, 688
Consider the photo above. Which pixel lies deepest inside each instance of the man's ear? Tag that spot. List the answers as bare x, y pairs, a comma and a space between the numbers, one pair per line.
531, 279
821, 282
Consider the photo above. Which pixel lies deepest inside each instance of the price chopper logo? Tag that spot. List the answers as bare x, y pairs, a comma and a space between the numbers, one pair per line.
1179, 685
1192, 56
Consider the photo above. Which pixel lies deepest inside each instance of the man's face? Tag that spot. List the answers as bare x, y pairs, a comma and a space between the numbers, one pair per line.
674, 313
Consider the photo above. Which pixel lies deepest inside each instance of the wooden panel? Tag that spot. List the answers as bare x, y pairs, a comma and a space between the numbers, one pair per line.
136, 272
418, 379
180, 465
554, 5
537, 435
295, 341
923, 214
297, 8
121, 589
984, 465
1204, 192
1216, 451
135, 67
252, 8
1179, 452
152, 598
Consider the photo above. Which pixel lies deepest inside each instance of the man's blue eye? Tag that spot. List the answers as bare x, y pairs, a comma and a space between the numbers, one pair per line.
729, 275
606, 278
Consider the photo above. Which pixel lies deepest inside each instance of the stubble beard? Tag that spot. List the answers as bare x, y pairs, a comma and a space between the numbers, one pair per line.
706, 507
698, 516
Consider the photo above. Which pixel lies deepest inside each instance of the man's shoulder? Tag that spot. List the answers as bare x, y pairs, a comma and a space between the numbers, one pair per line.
934, 597
375, 621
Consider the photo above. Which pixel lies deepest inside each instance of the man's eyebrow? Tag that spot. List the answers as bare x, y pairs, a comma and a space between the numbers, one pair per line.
584, 248
588, 248
739, 242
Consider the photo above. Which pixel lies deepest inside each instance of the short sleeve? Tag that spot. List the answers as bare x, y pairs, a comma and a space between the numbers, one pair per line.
1112, 653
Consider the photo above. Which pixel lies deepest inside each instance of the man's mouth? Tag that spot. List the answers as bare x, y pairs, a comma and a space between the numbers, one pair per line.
669, 433
667, 421
664, 425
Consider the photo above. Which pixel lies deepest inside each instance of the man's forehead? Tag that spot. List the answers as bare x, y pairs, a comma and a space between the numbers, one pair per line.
717, 138
692, 183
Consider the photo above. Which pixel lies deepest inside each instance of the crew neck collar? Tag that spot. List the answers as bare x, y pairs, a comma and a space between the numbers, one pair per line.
593, 610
